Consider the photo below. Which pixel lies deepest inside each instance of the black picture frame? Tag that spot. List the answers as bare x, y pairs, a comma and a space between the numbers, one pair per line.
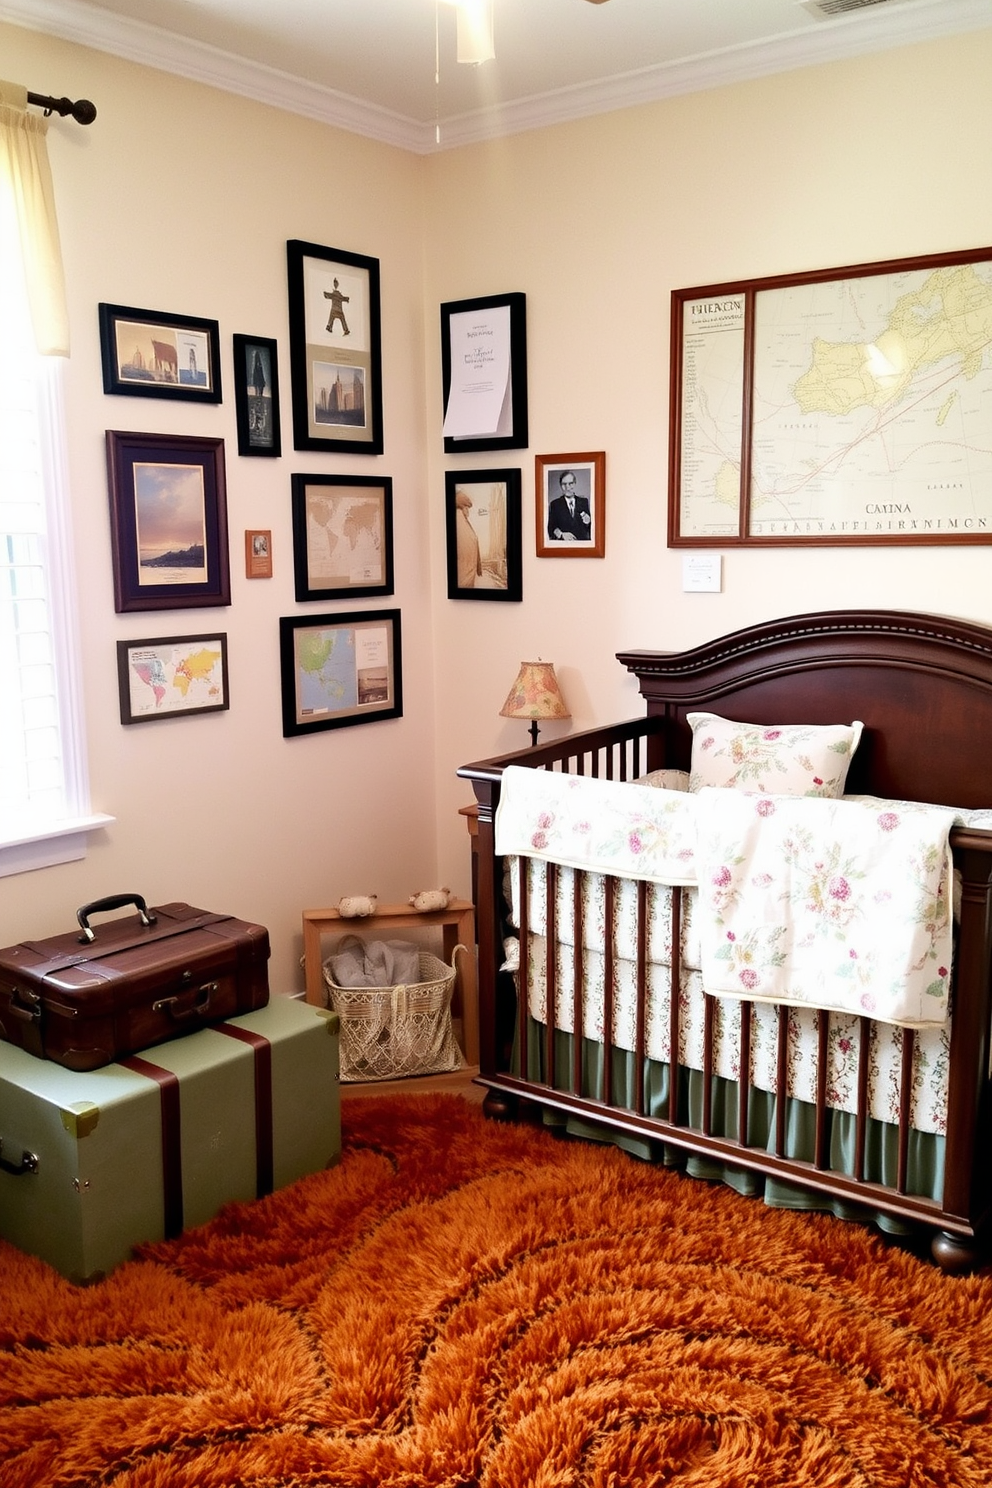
473, 321
167, 492
256, 395
342, 536
366, 687
484, 545
335, 349
156, 354
147, 672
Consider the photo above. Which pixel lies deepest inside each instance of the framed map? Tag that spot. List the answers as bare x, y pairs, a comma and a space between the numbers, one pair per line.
339, 670
342, 536
174, 674
846, 406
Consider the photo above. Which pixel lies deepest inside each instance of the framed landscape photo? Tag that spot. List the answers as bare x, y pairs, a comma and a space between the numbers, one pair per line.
339, 670
570, 493
482, 522
835, 407
256, 395
342, 536
335, 350
484, 373
168, 521
172, 675
153, 354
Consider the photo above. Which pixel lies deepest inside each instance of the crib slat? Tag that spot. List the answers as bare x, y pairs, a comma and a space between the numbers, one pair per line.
861, 1125
551, 969
523, 975
609, 990
782, 1050
640, 1027
905, 1097
820, 1153
674, 989
578, 881
744, 1078
709, 1004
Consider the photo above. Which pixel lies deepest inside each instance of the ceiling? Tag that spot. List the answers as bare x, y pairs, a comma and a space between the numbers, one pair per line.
369, 65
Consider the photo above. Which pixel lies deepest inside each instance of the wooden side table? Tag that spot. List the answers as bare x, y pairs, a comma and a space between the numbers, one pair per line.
457, 925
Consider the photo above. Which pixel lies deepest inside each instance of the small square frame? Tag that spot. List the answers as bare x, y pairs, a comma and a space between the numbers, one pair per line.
147, 672
483, 549
347, 514
256, 395
482, 321
155, 354
366, 686
335, 354
589, 489
151, 475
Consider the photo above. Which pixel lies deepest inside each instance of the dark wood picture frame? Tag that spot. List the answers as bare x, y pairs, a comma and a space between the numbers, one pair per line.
833, 408
168, 521
466, 327
155, 354
153, 665
583, 534
342, 536
325, 689
335, 349
483, 530
256, 395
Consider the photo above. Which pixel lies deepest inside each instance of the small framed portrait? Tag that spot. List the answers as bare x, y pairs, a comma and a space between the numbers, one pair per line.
258, 553
152, 354
168, 521
342, 536
335, 349
482, 521
256, 395
570, 495
339, 670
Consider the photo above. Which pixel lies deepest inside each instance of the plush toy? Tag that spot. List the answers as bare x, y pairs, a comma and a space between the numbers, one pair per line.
356, 906
427, 899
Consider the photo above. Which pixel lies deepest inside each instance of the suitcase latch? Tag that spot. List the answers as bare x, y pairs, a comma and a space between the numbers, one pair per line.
199, 1004
27, 1164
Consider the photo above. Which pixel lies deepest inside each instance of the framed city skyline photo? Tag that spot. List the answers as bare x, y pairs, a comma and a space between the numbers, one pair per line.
168, 521
342, 536
256, 395
482, 524
153, 354
339, 670
570, 499
335, 351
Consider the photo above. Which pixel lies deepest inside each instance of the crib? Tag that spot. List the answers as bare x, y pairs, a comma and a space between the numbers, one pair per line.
750, 1092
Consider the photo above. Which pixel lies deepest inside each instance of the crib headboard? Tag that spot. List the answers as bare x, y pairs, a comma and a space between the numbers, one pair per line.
921, 684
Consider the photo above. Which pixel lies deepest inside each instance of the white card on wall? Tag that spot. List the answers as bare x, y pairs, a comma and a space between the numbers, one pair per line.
702, 573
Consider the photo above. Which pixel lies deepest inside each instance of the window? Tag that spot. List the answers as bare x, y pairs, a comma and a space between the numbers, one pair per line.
44, 793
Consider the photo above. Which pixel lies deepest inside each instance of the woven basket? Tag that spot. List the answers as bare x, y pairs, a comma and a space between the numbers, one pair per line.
388, 1032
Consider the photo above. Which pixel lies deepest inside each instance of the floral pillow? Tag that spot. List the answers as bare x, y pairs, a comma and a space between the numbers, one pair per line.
677, 780
786, 760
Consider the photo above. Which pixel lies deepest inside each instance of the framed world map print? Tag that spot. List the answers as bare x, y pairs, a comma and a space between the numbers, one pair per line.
845, 406
339, 669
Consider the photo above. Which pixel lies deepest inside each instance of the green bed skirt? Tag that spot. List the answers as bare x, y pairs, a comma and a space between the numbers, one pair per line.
926, 1149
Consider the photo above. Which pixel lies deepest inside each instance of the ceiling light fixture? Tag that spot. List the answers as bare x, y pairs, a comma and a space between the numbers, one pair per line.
475, 30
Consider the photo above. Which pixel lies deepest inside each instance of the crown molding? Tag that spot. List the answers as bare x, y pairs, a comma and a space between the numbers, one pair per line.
867, 31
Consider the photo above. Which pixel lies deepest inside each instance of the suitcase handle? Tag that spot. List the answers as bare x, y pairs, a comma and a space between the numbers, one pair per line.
198, 1008
27, 1164
113, 901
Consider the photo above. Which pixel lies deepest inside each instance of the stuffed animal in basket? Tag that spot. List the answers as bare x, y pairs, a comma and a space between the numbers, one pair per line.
357, 906
427, 899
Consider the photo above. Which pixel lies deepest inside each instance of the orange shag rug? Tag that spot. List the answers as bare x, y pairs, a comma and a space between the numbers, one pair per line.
472, 1305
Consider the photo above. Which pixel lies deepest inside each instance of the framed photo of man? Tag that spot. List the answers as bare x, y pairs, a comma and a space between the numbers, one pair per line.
570, 493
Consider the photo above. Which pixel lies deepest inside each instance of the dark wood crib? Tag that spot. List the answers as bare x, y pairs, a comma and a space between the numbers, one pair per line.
922, 685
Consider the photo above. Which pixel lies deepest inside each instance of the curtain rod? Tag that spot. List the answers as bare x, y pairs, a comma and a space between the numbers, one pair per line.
82, 111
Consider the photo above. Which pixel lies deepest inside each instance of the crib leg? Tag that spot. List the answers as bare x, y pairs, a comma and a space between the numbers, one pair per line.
955, 1254
499, 1106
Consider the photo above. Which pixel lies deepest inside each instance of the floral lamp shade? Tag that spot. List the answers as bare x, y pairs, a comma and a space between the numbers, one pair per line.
535, 695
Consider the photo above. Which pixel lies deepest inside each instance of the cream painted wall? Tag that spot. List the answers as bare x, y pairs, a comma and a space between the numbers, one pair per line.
597, 222
181, 198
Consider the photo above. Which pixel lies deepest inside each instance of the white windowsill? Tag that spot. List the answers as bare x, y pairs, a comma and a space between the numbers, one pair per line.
59, 842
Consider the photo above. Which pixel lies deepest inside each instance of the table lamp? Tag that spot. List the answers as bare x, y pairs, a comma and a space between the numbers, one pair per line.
535, 694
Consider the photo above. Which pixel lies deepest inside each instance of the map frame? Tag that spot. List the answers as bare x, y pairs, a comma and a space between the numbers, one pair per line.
309, 493
161, 649
375, 636
732, 310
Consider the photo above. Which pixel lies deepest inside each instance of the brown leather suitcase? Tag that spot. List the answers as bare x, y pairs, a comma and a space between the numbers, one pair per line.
87, 999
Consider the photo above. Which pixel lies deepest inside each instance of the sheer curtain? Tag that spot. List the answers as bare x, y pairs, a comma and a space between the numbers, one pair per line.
26, 182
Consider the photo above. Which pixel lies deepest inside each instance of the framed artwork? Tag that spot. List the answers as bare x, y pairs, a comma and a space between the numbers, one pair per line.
258, 553
335, 352
339, 670
151, 354
484, 373
342, 536
168, 521
256, 395
482, 521
172, 675
570, 495
846, 406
